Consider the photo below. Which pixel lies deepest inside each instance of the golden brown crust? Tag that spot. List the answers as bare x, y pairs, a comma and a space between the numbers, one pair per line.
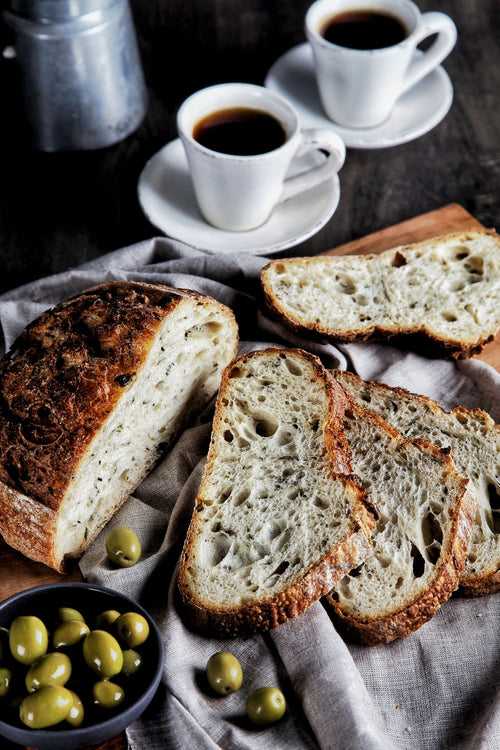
419, 339
319, 578
415, 613
477, 585
58, 384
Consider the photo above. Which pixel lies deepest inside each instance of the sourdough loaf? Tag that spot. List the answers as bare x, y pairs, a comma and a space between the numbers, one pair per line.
277, 521
91, 394
422, 535
474, 440
445, 290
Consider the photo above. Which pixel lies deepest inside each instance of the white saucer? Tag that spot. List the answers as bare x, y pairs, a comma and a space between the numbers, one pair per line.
167, 198
417, 112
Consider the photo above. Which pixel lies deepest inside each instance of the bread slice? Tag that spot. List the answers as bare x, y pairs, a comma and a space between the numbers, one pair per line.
474, 439
91, 394
277, 521
446, 290
422, 534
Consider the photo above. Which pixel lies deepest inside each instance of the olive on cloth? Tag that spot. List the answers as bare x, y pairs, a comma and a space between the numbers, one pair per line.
224, 673
266, 705
123, 547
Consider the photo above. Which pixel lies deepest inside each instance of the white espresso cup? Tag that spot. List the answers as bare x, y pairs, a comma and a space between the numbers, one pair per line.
360, 87
238, 193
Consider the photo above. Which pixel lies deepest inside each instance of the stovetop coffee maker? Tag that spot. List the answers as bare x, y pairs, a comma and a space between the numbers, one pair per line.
82, 80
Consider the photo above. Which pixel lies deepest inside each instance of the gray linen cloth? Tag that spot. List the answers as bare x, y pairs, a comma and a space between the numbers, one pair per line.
435, 689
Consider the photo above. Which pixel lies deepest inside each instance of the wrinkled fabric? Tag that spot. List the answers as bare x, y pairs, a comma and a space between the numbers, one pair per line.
435, 689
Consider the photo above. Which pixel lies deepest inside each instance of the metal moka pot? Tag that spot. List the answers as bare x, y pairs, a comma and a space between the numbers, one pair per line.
82, 80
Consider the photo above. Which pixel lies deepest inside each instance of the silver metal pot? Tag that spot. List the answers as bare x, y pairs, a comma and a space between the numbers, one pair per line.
82, 80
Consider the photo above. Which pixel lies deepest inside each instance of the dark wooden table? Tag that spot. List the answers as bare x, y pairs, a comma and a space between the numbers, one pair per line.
60, 210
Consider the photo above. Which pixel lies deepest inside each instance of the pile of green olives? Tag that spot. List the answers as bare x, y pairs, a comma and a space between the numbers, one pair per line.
225, 675
59, 676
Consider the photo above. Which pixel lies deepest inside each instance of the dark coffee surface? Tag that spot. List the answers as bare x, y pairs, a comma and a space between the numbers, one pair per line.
364, 29
240, 131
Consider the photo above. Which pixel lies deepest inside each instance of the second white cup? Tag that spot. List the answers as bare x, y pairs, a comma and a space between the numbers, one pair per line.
360, 87
239, 193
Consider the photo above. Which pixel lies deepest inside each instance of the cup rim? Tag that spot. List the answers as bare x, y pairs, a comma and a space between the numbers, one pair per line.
314, 35
185, 134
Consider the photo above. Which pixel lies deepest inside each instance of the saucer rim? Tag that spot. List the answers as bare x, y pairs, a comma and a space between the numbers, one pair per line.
276, 247
348, 135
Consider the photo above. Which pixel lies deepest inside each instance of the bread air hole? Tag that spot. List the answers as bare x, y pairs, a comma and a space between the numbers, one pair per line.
228, 436
475, 265
293, 367
418, 562
266, 426
399, 260
242, 496
449, 316
494, 499
215, 550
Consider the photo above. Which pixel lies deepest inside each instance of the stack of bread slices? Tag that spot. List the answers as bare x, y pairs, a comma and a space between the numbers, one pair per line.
318, 483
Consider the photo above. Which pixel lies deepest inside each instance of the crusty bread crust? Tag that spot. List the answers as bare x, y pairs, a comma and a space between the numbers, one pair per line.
270, 612
58, 384
415, 613
489, 581
420, 339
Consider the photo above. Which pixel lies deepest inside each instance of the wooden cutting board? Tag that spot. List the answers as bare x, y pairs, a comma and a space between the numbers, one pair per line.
18, 573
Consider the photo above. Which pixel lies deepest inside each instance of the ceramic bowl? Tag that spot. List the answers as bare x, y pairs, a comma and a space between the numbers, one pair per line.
87, 598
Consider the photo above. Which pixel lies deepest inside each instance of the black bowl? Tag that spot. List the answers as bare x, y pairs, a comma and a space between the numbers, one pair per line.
43, 601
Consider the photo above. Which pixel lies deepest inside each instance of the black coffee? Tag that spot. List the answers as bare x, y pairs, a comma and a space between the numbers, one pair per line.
241, 131
364, 29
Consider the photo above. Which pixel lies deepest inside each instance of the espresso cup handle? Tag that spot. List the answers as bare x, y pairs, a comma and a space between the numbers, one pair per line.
431, 23
314, 139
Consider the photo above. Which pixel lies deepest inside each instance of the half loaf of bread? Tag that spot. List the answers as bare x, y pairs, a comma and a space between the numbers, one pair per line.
91, 394
278, 521
445, 290
474, 440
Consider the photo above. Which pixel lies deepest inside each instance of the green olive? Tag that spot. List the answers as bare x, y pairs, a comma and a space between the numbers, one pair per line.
132, 662
76, 713
224, 673
102, 653
132, 628
69, 633
28, 639
48, 706
107, 618
51, 669
266, 705
107, 694
68, 614
123, 547
5, 681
